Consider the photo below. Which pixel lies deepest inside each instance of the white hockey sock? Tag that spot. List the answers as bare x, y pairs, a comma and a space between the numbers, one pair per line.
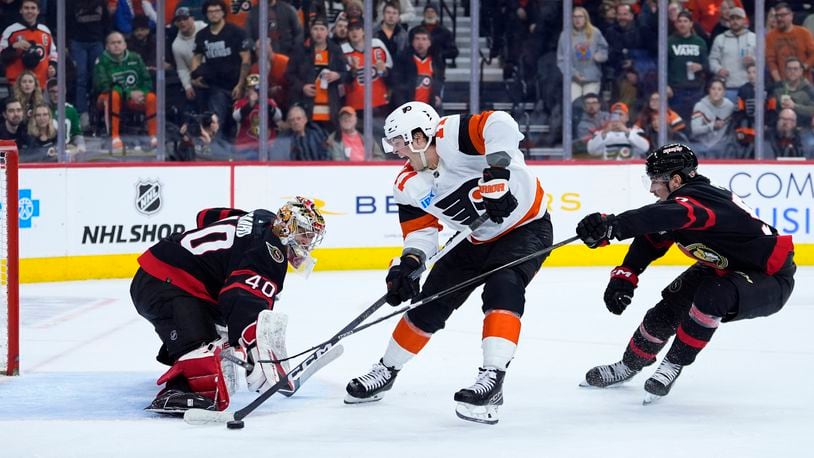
497, 352
395, 356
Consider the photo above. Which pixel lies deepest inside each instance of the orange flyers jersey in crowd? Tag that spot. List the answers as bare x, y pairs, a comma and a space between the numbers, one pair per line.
449, 194
239, 11
355, 95
41, 37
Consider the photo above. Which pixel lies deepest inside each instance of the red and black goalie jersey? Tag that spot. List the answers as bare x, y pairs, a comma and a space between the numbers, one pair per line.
709, 224
232, 261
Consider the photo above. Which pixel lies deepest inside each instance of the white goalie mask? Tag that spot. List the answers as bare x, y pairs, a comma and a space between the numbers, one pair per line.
403, 121
301, 227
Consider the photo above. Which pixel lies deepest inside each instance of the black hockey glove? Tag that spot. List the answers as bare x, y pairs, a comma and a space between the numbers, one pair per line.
619, 292
400, 286
596, 229
497, 198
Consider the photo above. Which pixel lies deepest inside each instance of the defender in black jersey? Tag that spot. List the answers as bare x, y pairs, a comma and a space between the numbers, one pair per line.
203, 289
744, 268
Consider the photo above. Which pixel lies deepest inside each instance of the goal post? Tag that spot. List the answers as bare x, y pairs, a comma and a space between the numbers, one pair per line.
9, 261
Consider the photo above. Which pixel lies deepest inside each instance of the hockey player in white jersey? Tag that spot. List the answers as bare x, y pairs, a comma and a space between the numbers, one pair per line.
458, 168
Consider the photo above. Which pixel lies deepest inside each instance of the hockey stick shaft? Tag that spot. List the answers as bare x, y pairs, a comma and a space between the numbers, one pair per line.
324, 348
459, 286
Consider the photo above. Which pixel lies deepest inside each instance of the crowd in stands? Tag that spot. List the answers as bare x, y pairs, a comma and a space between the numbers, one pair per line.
315, 76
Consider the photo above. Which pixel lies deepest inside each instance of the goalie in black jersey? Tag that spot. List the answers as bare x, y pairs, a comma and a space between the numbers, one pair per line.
204, 289
744, 268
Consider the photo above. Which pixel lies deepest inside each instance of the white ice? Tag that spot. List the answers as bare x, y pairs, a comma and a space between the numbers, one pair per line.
88, 370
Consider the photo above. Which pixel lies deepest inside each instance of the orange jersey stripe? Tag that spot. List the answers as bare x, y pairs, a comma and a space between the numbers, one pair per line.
409, 337
476, 125
419, 223
503, 324
534, 210
402, 179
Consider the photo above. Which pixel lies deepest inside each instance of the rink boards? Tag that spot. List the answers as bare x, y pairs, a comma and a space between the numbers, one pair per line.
92, 220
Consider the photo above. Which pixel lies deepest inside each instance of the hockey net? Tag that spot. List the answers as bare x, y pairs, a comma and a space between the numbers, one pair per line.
9, 291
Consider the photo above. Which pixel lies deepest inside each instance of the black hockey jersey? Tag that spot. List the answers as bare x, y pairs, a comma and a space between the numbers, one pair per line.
231, 260
709, 224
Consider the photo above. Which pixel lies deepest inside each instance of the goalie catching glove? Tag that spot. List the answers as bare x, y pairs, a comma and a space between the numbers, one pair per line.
497, 197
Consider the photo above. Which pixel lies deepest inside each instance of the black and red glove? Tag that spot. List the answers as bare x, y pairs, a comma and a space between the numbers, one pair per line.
596, 229
619, 292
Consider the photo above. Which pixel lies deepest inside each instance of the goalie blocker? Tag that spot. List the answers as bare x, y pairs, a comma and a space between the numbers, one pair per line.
222, 274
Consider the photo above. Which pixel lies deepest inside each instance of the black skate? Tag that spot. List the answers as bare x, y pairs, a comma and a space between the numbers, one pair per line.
658, 385
608, 375
371, 386
176, 402
480, 401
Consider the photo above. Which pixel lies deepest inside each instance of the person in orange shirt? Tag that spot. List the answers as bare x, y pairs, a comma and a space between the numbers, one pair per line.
788, 40
277, 66
420, 73
28, 45
707, 13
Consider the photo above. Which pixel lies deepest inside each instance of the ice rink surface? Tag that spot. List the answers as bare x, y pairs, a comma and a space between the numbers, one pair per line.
88, 369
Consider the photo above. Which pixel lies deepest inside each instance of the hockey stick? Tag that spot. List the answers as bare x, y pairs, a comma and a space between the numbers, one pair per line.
202, 416
460, 286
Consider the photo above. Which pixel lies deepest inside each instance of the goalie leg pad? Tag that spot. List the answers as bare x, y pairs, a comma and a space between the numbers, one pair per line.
265, 340
202, 371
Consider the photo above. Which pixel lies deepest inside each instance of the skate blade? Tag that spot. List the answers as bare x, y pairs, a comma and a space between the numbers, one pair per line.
585, 384
479, 414
650, 398
354, 400
168, 412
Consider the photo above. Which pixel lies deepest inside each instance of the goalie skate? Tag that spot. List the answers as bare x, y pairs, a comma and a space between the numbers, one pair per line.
479, 402
176, 402
660, 384
371, 386
608, 375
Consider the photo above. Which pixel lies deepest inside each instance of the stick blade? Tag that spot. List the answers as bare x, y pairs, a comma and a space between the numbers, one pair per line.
207, 417
323, 361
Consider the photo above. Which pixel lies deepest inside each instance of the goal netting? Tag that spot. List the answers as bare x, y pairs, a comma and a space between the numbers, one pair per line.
9, 295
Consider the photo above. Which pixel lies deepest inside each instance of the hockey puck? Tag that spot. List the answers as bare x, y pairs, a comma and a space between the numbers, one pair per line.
235, 424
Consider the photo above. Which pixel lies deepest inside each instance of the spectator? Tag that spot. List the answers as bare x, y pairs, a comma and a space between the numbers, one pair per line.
744, 117
607, 19
406, 10
616, 140
247, 116
788, 40
74, 140
420, 74
123, 12
711, 17
121, 76
347, 143
183, 48
12, 127
339, 32
277, 68
353, 9
87, 25
589, 50
221, 61
627, 45
284, 27
785, 140
711, 122
651, 133
142, 42
591, 121
651, 111
201, 140
315, 76
308, 141
28, 92
42, 137
732, 51
390, 31
795, 92
442, 38
687, 60
28, 45
382, 64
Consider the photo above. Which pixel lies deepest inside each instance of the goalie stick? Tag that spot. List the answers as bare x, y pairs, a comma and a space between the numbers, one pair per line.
201, 416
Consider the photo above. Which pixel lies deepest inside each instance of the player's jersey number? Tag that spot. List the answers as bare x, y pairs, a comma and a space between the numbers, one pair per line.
210, 238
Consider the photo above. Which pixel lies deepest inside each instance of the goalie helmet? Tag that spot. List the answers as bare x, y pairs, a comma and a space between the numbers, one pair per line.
301, 227
404, 120
672, 159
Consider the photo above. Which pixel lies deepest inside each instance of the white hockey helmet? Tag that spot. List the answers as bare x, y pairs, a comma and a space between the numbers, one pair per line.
400, 124
300, 226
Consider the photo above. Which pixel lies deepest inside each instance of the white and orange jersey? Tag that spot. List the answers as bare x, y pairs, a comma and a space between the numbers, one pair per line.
449, 194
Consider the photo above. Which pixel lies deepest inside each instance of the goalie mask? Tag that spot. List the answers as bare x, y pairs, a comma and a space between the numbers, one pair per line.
300, 226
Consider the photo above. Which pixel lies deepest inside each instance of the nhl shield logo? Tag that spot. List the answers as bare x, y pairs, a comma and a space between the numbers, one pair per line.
148, 197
